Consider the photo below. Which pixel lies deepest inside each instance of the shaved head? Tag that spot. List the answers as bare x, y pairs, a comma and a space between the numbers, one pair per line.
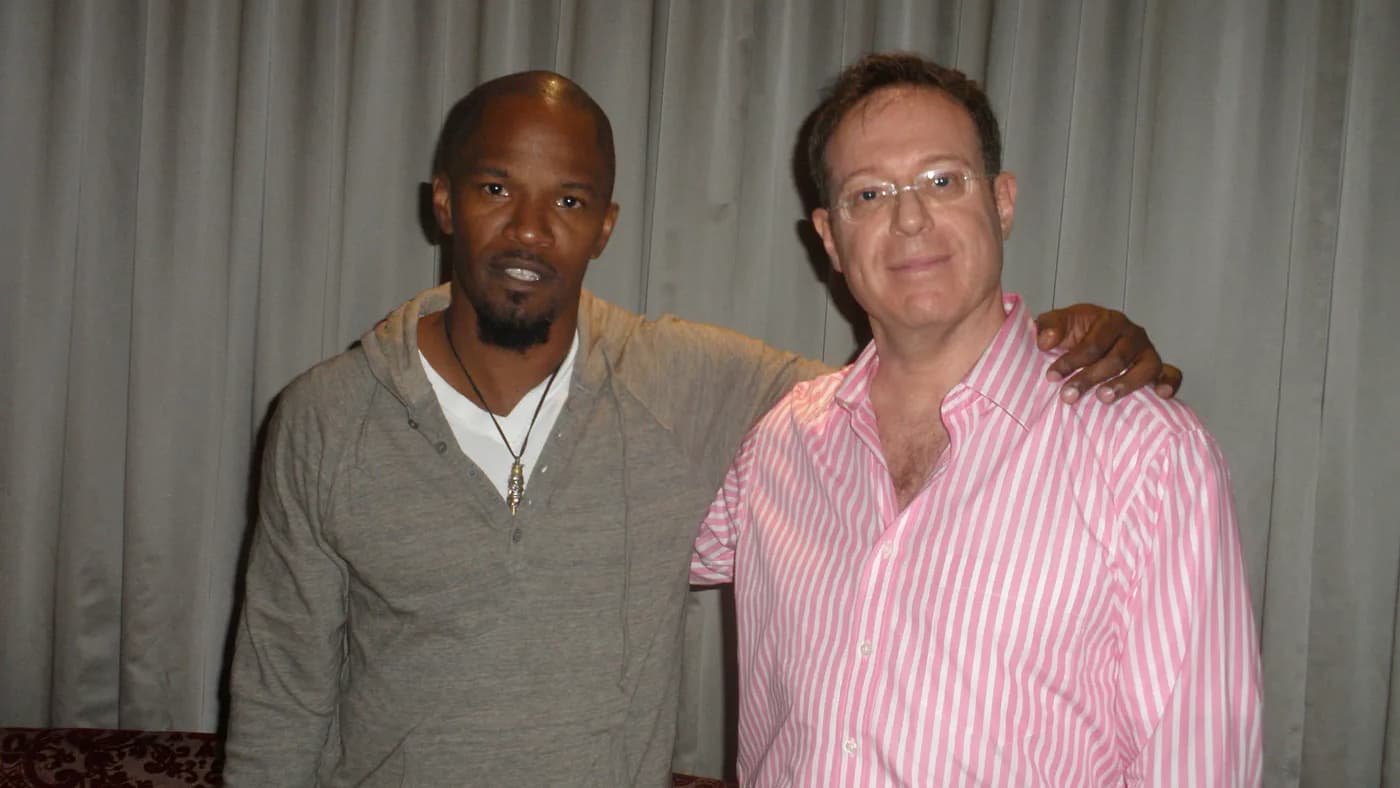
465, 116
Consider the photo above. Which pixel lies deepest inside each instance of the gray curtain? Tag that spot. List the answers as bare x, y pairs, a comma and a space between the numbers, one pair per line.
200, 199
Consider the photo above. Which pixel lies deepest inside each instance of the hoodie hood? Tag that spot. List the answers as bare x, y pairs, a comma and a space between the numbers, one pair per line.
391, 348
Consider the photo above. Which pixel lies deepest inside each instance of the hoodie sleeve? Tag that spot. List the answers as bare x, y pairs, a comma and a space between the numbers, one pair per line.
722, 382
290, 639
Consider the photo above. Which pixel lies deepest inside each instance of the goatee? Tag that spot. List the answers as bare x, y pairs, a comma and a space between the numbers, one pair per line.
510, 329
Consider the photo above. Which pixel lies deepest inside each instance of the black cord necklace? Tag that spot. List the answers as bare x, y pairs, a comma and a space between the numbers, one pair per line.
515, 488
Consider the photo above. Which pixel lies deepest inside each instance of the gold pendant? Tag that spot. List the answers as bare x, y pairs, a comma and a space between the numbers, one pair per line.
515, 488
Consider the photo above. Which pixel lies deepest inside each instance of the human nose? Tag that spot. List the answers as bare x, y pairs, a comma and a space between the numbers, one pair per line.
529, 223
911, 215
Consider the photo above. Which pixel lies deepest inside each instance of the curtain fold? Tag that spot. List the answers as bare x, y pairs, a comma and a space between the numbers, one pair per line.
1349, 732
200, 200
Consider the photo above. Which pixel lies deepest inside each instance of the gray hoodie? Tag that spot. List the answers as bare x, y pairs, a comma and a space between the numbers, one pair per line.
399, 627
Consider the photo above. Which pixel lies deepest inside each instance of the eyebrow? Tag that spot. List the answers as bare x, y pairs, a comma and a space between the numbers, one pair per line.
931, 163
486, 170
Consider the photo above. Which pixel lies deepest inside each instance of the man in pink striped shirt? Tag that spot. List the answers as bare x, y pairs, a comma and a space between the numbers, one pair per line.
943, 576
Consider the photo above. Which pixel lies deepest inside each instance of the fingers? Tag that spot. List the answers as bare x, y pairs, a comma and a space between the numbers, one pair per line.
1115, 373
1050, 329
1142, 371
1110, 333
1168, 382
1066, 324
1114, 381
1108, 350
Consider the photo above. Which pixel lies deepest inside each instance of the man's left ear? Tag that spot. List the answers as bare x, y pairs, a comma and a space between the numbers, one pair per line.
1004, 192
608, 221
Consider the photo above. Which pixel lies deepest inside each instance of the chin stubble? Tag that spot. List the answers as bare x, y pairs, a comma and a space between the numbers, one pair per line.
512, 331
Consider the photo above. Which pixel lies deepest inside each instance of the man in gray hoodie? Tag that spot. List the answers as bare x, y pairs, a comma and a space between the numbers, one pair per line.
474, 527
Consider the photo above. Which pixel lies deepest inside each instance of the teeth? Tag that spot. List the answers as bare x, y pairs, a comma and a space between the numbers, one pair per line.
522, 274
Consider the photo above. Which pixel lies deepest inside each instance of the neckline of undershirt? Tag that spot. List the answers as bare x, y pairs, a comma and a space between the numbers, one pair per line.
476, 435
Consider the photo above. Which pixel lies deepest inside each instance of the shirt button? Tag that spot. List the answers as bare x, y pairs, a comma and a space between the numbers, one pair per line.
867, 648
849, 746
886, 551
441, 447
516, 536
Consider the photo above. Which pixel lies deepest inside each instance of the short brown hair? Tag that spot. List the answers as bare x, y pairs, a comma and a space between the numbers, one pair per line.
878, 71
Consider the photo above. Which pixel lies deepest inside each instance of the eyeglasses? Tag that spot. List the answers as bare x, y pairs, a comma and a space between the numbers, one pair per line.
935, 187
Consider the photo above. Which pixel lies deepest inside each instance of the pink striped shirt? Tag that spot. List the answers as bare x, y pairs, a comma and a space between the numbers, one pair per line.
1062, 604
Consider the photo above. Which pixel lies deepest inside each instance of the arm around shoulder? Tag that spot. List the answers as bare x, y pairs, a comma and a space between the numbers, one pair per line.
722, 383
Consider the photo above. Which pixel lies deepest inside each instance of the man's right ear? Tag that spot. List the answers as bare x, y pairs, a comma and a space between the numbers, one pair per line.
442, 204
821, 221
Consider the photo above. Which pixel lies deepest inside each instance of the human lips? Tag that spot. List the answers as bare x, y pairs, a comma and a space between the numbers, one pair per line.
920, 264
521, 267
521, 274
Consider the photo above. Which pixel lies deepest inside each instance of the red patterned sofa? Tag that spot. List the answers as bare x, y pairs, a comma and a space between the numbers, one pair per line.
94, 758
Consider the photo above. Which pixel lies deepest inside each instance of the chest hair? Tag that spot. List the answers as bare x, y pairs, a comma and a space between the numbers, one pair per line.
912, 444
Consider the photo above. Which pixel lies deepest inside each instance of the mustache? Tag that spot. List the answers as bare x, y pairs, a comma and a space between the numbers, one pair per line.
516, 256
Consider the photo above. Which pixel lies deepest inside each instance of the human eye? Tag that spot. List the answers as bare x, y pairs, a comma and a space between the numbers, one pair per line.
941, 179
865, 198
571, 202
943, 184
494, 190
870, 193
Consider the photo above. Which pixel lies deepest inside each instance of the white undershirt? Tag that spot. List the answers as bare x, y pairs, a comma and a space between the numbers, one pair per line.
477, 436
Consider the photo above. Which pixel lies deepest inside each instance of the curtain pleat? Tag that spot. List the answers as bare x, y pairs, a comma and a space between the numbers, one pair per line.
1349, 733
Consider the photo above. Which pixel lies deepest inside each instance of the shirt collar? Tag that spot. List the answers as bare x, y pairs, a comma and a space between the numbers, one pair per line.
855, 389
1009, 374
